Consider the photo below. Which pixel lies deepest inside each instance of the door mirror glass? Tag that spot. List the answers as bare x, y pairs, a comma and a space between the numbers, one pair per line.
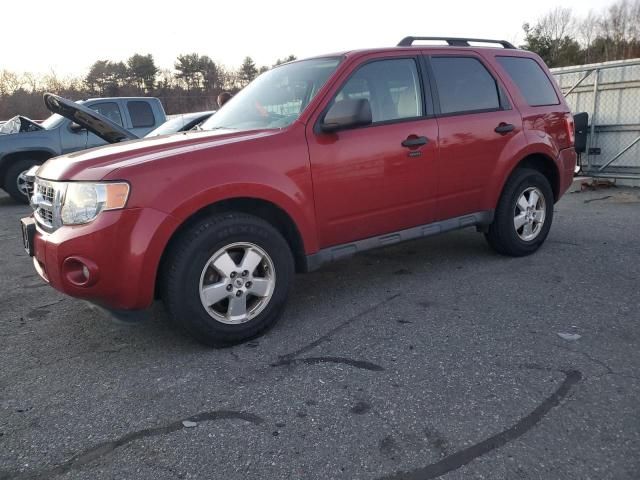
347, 113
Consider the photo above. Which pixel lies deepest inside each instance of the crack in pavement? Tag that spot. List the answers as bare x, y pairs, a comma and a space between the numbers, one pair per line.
467, 455
104, 448
598, 199
587, 356
597, 361
363, 364
50, 304
290, 358
327, 336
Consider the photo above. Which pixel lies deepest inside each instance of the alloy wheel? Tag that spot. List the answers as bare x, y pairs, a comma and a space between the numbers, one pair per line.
529, 214
22, 184
237, 283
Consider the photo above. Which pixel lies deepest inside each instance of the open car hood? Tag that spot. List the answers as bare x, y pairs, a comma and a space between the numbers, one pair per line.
87, 118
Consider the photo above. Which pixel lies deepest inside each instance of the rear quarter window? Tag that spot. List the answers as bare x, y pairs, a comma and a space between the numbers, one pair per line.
141, 114
533, 83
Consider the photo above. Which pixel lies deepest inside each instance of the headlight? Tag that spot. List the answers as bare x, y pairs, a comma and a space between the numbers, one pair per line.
84, 201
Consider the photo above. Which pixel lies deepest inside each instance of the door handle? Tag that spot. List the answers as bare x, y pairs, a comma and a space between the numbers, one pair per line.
415, 142
505, 128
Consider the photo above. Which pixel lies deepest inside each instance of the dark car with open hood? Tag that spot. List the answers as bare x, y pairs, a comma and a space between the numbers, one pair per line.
25, 143
315, 160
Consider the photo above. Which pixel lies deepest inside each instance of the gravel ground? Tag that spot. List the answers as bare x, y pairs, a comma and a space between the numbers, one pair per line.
431, 359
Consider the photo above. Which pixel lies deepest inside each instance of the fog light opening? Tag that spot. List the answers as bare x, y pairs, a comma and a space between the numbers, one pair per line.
80, 272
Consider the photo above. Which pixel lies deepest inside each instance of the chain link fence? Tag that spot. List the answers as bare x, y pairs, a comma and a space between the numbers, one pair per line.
610, 93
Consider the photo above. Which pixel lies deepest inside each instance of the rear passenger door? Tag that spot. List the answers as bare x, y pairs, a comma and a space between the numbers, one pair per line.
476, 125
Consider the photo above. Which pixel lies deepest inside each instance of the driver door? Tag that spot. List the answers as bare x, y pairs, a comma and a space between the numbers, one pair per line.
80, 139
375, 179
72, 140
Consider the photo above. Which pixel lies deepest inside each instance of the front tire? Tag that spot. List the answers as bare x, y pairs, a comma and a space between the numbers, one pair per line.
227, 278
524, 214
15, 181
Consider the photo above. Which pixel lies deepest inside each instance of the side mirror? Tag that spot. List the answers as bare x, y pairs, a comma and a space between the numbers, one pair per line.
76, 128
347, 114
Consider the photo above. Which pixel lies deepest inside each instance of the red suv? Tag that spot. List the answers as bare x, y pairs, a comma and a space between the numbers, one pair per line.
315, 160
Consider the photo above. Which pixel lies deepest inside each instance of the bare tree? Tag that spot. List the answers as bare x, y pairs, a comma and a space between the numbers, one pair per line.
587, 31
556, 25
9, 82
30, 81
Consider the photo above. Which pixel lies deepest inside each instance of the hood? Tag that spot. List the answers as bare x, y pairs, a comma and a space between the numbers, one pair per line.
85, 117
94, 164
19, 124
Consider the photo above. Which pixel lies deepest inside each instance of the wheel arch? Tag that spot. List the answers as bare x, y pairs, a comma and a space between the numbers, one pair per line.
41, 155
272, 213
543, 163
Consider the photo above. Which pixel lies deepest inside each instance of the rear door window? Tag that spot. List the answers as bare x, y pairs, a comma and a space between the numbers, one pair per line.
530, 79
109, 110
141, 114
464, 85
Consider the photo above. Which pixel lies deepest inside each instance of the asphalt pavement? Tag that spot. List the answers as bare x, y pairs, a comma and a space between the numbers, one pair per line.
432, 359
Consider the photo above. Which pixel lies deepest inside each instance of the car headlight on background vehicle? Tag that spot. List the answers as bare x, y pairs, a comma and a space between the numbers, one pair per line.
84, 201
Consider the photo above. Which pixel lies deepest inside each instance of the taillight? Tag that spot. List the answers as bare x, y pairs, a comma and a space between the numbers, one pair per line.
571, 129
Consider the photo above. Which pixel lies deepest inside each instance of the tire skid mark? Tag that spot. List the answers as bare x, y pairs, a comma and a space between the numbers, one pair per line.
363, 364
467, 455
327, 336
50, 304
93, 453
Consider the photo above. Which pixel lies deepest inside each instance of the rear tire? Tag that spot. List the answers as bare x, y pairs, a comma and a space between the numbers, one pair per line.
227, 278
14, 182
524, 214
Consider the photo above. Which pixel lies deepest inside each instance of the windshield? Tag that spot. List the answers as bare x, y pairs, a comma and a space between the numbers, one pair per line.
172, 125
55, 120
276, 98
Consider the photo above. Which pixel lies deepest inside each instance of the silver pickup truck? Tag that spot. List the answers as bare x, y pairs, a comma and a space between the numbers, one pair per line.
24, 143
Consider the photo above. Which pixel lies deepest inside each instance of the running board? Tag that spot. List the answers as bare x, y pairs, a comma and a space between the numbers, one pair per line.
330, 254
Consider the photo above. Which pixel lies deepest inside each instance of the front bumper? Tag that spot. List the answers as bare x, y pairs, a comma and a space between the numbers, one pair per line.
111, 261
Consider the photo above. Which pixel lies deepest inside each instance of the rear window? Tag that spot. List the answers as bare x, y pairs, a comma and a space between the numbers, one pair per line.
141, 114
464, 85
531, 80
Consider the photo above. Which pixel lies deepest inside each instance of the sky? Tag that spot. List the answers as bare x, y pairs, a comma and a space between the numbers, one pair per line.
68, 36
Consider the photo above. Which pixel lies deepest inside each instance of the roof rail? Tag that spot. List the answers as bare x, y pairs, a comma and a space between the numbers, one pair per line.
454, 41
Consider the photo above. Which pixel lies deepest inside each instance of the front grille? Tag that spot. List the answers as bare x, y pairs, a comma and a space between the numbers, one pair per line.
45, 216
30, 178
46, 200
